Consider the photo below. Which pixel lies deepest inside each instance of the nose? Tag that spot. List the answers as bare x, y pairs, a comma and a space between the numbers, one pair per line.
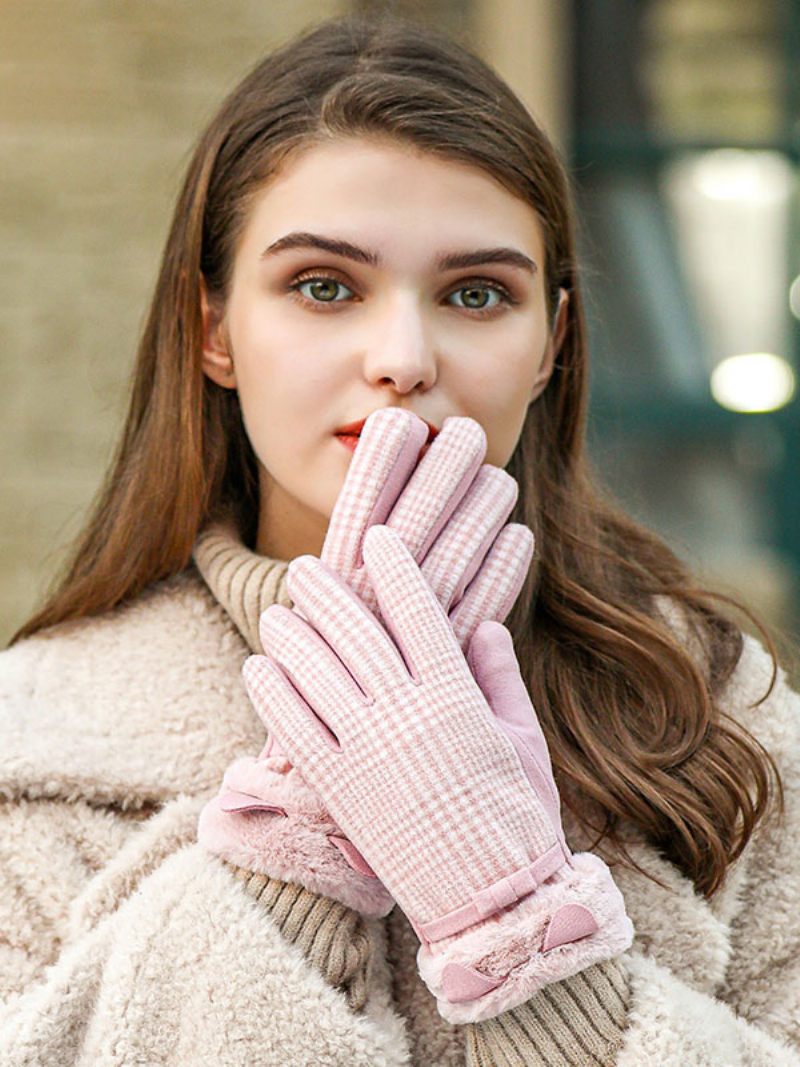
400, 351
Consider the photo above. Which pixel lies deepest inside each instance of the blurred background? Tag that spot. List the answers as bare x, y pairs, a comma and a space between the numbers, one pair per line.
680, 121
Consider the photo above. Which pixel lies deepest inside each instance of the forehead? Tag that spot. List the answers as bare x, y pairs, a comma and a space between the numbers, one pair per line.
381, 189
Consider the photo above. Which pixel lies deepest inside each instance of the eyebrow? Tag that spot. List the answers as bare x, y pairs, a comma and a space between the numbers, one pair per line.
447, 261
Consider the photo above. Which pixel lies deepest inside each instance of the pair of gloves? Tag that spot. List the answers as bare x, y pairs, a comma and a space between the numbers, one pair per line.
419, 772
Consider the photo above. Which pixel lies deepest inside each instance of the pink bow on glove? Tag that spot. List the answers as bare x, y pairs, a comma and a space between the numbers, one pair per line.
449, 510
438, 772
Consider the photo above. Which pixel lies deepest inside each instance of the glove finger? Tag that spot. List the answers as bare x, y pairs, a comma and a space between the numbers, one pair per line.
413, 617
495, 588
313, 667
438, 485
340, 618
460, 549
281, 708
387, 452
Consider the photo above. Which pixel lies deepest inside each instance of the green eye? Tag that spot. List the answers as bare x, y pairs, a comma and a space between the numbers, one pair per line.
323, 290
481, 296
473, 295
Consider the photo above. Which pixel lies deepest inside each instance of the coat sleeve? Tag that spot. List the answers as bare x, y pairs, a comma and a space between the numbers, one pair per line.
122, 942
169, 959
49, 853
634, 1012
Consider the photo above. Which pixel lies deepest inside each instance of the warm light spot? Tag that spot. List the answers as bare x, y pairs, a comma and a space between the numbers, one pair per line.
757, 381
741, 175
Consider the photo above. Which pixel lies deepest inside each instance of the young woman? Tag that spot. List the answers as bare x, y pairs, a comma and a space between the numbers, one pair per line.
573, 849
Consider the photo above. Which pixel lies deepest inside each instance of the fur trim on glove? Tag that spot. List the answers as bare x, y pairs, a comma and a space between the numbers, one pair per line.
573, 920
266, 819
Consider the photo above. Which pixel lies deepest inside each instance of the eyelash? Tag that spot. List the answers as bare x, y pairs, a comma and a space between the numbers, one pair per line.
470, 283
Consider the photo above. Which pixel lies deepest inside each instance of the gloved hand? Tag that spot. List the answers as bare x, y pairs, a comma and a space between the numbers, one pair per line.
437, 770
449, 510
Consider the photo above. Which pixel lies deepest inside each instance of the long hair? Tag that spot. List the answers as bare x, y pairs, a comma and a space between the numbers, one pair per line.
631, 716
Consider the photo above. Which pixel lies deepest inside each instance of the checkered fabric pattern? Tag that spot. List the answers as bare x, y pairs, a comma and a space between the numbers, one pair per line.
449, 509
390, 727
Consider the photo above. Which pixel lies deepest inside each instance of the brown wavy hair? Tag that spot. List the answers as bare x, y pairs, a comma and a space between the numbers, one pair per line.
631, 716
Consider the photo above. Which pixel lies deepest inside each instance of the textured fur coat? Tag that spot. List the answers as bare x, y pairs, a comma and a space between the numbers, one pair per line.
123, 943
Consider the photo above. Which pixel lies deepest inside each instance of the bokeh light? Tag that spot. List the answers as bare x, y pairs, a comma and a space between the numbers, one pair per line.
753, 382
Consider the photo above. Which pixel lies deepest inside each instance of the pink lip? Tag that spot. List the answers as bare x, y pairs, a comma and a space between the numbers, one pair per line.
353, 429
350, 442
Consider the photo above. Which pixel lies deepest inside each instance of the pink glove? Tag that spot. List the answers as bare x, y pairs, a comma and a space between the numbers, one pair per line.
445, 787
449, 510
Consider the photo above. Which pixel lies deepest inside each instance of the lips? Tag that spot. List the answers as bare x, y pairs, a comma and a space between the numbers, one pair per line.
353, 429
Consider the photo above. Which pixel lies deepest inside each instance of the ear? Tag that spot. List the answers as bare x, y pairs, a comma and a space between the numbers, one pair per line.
217, 361
554, 342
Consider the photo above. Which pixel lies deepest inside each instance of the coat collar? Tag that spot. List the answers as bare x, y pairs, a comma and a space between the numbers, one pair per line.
242, 581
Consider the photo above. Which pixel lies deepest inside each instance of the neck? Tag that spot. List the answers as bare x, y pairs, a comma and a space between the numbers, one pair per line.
287, 528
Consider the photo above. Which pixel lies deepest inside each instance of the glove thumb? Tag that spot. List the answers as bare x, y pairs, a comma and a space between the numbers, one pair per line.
495, 668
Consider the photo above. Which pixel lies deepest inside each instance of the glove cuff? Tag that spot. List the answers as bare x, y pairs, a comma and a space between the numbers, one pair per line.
266, 819
573, 920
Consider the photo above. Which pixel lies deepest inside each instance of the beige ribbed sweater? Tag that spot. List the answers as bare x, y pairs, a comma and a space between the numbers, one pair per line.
584, 1015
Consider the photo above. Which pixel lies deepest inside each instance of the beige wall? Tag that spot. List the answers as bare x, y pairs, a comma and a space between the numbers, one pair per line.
528, 41
99, 105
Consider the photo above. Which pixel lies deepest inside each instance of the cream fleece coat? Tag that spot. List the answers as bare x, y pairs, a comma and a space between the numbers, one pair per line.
123, 943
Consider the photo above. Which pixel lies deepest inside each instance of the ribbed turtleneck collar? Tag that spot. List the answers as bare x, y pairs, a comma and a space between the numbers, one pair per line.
244, 583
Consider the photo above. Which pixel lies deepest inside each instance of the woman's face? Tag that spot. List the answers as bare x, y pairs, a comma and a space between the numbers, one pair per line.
314, 336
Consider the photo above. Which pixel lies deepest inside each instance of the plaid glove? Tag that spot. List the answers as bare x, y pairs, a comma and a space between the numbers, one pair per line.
436, 768
449, 510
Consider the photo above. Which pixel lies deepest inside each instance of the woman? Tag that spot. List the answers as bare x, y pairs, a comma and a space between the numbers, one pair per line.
380, 169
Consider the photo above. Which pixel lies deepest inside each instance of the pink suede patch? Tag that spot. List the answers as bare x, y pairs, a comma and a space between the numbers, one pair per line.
352, 855
235, 801
460, 983
570, 923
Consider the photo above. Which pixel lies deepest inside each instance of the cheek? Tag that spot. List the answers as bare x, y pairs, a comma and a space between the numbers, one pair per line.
503, 433
278, 368
501, 397
285, 397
